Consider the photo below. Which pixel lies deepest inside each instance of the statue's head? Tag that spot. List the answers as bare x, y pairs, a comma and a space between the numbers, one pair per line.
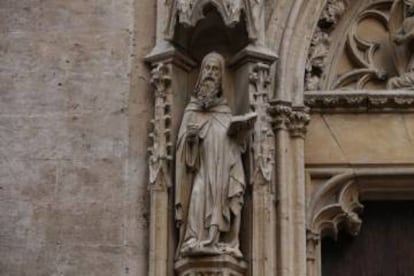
209, 86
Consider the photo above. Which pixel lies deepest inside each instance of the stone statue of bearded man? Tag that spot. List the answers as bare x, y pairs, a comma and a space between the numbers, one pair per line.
210, 180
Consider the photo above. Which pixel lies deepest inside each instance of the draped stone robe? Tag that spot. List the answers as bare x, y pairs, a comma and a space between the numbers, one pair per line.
210, 180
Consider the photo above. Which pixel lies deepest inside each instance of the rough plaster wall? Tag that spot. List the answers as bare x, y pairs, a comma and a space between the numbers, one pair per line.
73, 128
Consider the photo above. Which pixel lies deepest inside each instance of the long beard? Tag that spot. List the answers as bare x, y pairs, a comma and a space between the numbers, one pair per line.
208, 93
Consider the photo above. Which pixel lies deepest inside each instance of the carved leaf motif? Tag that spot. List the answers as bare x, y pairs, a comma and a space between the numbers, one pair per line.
263, 143
321, 42
160, 150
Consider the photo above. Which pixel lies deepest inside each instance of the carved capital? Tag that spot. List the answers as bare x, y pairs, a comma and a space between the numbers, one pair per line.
280, 113
160, 150
299, 120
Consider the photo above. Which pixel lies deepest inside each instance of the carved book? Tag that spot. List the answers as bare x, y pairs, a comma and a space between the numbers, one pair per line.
242, 123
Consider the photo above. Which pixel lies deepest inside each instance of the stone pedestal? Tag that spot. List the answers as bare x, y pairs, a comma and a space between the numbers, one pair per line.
224, 265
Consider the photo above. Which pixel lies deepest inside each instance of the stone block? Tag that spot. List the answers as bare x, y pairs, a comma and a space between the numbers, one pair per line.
64, 137
25, 260
90, 53
360, 139
51, 15
99, 181
319, 134
27, 225
56, 91
75, 260
25, 180
90, 223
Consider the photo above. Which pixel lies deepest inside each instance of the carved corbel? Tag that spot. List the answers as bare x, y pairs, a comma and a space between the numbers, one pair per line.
299, 120
160, 152
263, 136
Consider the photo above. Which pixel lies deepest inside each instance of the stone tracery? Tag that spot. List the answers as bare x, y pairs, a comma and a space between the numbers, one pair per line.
371, 62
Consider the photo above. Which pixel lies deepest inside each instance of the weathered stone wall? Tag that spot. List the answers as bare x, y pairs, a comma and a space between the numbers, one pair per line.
73, 128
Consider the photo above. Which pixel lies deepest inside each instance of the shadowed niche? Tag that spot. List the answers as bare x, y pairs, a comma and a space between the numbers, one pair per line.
210, 34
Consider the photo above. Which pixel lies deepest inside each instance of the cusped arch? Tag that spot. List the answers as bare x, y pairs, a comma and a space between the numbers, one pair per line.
336, 207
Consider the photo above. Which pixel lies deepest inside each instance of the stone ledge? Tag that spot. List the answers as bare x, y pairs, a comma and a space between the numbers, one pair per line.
360, 101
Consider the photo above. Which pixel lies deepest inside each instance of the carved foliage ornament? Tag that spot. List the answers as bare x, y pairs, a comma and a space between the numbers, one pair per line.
160, 151
285, 117
321, 41
189, 12
263, 137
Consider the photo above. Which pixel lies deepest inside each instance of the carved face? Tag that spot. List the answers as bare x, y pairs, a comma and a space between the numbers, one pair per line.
210, 80
211, 72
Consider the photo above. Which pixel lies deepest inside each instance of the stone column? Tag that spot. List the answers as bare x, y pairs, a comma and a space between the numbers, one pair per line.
299, 119
281, 112
289, 124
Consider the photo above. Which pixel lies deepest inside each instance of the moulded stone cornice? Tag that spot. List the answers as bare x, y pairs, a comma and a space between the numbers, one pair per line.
360, 101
